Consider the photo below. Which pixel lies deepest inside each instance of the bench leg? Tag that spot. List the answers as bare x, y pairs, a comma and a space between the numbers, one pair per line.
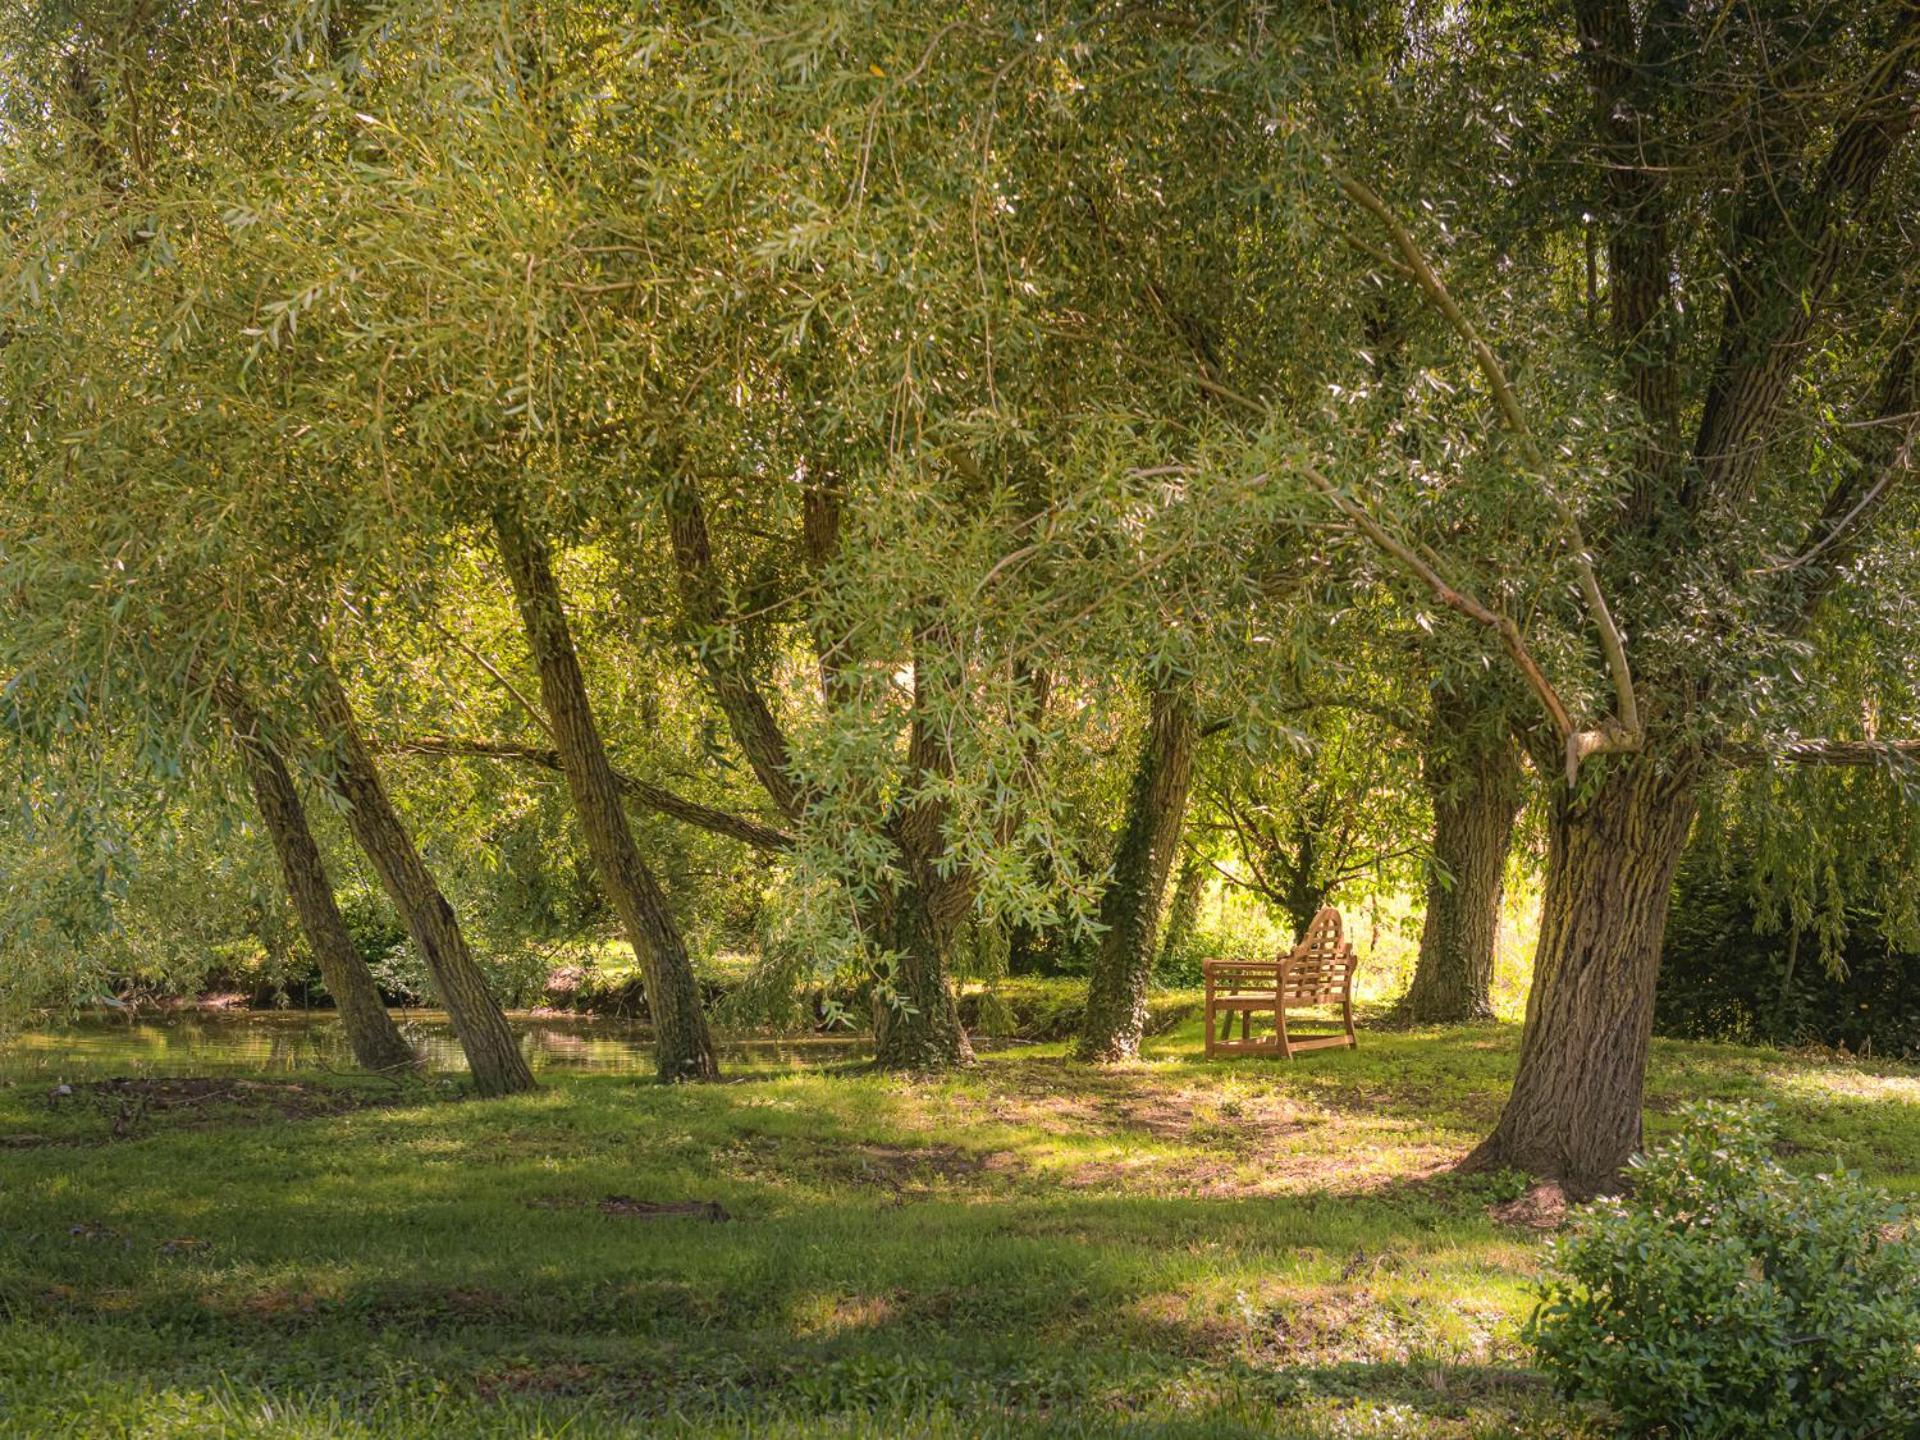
1280, 1027
1346, 1008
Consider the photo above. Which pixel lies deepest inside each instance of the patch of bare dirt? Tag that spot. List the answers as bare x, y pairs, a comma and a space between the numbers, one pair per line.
711, 1211
1216, 1177
907, 1169
128, 1102
1542, 1208
1082, 1101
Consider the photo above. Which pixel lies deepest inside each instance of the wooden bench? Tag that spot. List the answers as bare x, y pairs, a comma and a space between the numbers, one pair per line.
1319, 971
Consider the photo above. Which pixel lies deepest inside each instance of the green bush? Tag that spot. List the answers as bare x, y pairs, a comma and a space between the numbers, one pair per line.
1730, 1297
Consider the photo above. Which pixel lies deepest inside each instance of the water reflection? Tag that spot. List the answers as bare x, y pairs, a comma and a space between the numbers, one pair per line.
197, 1043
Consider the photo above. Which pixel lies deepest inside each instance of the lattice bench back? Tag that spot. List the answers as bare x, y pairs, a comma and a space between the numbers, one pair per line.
1320, 969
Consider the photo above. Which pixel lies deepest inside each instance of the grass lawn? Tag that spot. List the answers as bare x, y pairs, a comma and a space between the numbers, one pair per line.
1177, 1248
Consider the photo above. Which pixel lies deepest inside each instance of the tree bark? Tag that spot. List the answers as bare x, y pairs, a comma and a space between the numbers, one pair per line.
922, 1031
702, 596
1130, 906
375, 1040
1475, 783
1304, 895
1574, 1113
1183, 911
683, 1049
493, 1054
918, 1027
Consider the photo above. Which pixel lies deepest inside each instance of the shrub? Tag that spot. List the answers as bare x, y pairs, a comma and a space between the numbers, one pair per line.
1729, 1297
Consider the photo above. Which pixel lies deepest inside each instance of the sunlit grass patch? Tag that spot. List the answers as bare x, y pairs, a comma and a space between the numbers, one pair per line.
1179, 1246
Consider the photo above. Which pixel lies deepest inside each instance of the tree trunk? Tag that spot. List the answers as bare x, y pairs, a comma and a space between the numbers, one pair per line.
1130, 906
1574, 1113
918, 1027
493, 1055
922, 1031
683, 1047
1183, 911
749, 717
371, 1034
1304, 900
1475, 784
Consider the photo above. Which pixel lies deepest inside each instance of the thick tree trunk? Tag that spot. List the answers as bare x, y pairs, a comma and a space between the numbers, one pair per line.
918, 1027
683, 1047
1130, 907
493, 1054
1574, 1113
371, 1034
1304, 900
1475, 784
1183, 911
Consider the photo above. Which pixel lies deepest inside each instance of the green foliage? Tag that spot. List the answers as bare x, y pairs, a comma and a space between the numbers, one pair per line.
1730, 1298
1730, 971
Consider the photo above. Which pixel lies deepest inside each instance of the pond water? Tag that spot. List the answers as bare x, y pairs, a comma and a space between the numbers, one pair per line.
255, 1041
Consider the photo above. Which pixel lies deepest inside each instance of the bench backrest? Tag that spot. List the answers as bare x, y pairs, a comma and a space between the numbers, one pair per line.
1320, 969
1317, 971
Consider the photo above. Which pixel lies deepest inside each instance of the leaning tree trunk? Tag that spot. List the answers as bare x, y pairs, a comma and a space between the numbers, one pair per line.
493, 1055
1475, 783
683, 1046
1116, 1015
371, 1034
1574, 1112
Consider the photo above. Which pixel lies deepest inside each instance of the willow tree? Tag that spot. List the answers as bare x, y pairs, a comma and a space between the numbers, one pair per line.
426, 310
166, 538
372, 1036
1746, 338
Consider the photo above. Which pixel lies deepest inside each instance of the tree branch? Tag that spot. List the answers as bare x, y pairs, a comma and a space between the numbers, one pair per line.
703, 597
1622, 731
534, 712
1780, 276
1885, 454
1849, 753
1579, 743
640, 792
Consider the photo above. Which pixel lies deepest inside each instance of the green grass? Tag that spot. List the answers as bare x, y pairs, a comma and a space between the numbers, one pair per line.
1179, 1248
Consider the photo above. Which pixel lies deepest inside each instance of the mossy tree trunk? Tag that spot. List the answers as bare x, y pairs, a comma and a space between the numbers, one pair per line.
375, 1040
1183, 911
1575, 1111
918, 1027
493, 1053
1130, 907
683, 1046
1474, 778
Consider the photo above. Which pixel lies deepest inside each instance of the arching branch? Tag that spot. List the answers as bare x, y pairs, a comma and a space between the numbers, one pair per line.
640, 792
1622, 730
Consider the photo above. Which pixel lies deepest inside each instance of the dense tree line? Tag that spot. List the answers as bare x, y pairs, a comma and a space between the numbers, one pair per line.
924, 478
